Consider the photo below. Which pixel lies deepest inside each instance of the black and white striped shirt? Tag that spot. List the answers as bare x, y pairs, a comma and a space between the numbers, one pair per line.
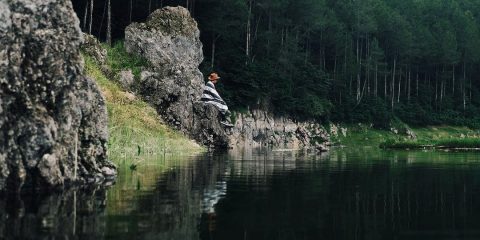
211, 96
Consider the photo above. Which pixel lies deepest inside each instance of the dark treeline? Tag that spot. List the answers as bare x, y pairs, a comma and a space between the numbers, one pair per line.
340, 60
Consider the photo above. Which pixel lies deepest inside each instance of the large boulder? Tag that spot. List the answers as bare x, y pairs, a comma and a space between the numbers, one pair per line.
206, 126
53, 120
172, 83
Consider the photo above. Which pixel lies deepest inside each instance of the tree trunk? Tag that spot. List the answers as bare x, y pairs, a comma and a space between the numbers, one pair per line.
91, 17
307, 48
269, 32
192, 12
345, 57
247, 47
470, 87
409, 83
255, 35
130, 14
393, 81
464, 83
441, 91
367, 60
109, 24
335, 67
453, 80
359, 71
385, 85
436, 86
399, 85
281, 42
213, 51
376, 79
85, 16
103, 18
441, 84
417, 82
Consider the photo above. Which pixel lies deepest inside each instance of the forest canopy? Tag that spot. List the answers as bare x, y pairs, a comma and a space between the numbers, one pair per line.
340, 60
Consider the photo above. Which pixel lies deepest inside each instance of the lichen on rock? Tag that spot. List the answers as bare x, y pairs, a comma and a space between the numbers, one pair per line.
53, 120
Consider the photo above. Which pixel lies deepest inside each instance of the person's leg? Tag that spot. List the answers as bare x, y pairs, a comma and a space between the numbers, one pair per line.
226, 116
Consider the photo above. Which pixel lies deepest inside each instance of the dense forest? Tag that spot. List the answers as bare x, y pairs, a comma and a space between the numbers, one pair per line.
340, 60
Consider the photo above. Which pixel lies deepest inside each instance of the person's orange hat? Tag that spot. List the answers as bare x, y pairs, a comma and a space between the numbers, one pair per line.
213, 76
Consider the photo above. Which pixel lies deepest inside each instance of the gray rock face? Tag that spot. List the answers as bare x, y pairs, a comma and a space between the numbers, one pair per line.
206, 126
258, 128
53, 120
93, 48
126, 78
170, 41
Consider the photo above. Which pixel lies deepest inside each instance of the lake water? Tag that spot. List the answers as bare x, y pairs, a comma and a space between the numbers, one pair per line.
363, 193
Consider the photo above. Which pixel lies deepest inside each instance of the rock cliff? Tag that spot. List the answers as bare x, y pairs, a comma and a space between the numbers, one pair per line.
53, 120
169, 40
173, 84
259, 128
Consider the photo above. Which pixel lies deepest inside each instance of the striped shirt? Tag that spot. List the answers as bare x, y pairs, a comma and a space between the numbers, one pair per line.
211, 96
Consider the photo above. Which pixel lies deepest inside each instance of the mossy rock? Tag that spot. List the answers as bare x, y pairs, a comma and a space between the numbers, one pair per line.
172, 21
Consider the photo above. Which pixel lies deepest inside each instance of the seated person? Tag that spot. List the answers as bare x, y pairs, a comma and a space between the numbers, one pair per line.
211, 96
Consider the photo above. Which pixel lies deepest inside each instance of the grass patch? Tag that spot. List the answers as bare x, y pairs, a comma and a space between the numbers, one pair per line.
119, 59
459, 143
396, 144
427, 137
454, 143
136, 130
362, 135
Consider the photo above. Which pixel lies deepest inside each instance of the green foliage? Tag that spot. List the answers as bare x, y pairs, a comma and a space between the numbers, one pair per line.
336, 59
118, 59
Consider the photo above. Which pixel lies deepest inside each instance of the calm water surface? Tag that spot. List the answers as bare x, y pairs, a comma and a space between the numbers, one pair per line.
361, 193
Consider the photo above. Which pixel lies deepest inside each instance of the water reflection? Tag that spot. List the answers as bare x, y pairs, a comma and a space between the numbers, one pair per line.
359, 193
76, 212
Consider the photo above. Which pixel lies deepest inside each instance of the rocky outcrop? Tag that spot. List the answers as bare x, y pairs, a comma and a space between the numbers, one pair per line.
207, 128
169, 40
53, 120
258, 128
92, 47
173, 84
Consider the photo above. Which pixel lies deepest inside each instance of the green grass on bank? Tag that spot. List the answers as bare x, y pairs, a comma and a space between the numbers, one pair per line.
427, 137
453, 143
136, 130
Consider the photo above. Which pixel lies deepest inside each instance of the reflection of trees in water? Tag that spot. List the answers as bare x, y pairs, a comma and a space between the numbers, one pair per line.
173, 207
155, 202
347, 194
258, 164
351, 195
74, 213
